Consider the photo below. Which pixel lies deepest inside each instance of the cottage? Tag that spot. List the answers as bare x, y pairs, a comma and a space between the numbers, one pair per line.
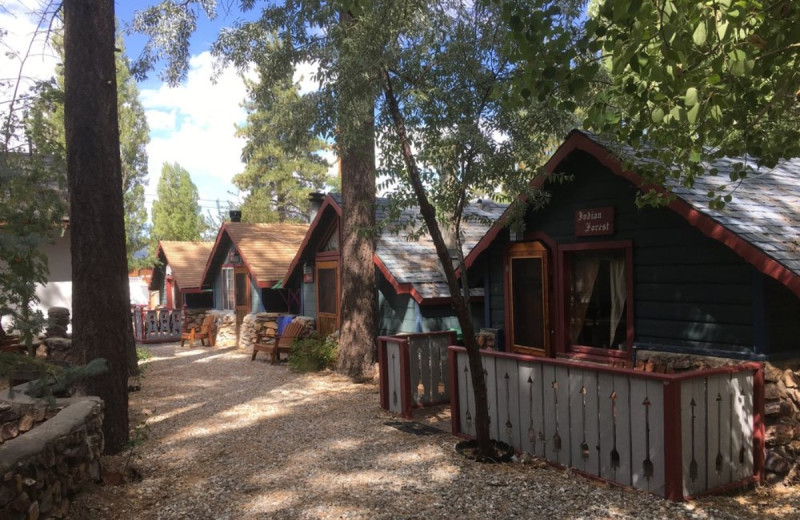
246, 264
178, 275
412, 292
594, 277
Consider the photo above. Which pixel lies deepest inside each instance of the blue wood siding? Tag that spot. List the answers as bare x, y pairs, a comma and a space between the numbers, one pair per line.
396, 312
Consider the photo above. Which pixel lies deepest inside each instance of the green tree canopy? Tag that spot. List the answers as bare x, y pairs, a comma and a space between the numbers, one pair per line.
681, 81
176, 212
283, 161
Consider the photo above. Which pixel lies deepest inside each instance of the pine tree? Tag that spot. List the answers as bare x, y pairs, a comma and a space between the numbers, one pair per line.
283, 161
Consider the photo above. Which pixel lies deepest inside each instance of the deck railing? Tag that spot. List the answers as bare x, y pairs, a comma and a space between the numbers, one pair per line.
413, 370
674, 435
156, 326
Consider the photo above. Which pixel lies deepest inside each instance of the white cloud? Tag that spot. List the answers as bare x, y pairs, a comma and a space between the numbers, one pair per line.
193, 124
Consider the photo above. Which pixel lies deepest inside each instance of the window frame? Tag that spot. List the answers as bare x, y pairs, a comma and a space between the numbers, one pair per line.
228, 288
530, 249
565, 346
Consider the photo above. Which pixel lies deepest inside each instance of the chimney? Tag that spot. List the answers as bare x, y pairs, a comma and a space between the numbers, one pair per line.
236, 215
315, 200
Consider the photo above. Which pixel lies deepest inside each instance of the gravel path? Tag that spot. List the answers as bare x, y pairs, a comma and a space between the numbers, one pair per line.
233, 439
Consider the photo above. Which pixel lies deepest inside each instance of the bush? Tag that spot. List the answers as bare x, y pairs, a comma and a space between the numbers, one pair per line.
312, 354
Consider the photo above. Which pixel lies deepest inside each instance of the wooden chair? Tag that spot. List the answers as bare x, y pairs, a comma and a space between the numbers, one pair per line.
205, 333
281, 343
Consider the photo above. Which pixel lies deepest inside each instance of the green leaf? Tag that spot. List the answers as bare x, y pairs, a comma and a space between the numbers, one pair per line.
722, 28
657, 115
700, 34
690, 99
695, 156
691, 115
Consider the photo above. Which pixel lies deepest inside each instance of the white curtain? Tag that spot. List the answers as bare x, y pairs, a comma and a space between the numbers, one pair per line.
619, 294
585, 274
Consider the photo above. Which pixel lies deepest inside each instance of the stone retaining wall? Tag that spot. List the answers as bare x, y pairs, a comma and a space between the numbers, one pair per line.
781, 408
266, 322
42, 469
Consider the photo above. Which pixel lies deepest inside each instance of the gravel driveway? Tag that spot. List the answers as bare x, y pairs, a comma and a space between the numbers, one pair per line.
233, 439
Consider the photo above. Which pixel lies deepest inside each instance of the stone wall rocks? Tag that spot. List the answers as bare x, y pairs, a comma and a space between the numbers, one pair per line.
41, 470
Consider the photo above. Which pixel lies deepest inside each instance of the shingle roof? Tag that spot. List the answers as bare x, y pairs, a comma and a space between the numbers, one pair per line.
764, 212
187, 261
267, 249
414, 262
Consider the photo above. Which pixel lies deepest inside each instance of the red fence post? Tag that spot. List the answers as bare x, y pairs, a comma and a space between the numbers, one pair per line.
759, 431
673, 445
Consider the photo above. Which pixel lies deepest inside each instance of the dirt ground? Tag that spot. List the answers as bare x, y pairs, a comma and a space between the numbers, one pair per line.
221, 437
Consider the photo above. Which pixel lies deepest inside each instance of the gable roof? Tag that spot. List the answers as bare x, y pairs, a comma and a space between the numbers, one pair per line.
761, 224
187, 261
266, 249
410, 266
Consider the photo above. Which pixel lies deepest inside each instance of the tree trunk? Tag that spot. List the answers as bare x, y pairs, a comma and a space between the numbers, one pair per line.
358, 310
459, 301
100, 299
357, 268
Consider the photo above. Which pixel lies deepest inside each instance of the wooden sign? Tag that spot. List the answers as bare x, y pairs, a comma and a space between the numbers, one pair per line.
594, 222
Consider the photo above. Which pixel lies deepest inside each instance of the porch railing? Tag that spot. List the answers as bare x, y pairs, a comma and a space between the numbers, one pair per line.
156, 326
673, 435
413, 370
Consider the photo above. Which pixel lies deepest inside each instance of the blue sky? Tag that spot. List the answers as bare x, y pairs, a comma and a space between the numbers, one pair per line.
191, 124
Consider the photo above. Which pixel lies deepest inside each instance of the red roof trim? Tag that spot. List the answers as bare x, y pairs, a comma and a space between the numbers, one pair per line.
293, 266
399, 288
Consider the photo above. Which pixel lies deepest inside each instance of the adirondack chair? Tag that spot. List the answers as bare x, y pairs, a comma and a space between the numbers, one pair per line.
205, 333
281, 343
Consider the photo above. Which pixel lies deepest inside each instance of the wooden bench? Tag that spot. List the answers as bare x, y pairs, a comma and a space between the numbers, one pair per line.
273, 346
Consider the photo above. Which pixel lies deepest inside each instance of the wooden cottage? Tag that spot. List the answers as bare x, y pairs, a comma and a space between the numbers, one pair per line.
179, 273
412, 292
594, 277
246, 264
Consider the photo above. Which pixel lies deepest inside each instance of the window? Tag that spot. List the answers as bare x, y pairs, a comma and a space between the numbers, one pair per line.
529, 313
227, 288
597, 299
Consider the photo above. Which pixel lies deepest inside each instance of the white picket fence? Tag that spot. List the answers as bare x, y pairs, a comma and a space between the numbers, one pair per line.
674, 435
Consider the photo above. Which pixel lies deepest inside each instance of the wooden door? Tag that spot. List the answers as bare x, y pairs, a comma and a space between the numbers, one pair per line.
241, 295
529, 316
328, 297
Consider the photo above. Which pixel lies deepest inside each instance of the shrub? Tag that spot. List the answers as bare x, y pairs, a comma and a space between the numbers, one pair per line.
312, 354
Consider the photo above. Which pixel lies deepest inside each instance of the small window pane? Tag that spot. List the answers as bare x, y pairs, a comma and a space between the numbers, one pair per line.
526, 274
597, 299
326, 280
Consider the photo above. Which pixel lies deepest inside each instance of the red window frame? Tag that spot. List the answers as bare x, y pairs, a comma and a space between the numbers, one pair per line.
565, 348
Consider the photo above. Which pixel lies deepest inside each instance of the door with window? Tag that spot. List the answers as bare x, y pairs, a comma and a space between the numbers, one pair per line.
241, 295
529, 312
327, 297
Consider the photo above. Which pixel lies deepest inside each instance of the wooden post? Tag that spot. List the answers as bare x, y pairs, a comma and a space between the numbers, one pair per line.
759, 432
673, 445
383, 373
405, 379
455, 409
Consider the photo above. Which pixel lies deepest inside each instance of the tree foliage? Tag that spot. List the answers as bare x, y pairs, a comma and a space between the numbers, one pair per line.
681, 81
176, 212
283, 161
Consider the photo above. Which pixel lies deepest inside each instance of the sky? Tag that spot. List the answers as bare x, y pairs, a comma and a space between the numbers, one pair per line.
192, 124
